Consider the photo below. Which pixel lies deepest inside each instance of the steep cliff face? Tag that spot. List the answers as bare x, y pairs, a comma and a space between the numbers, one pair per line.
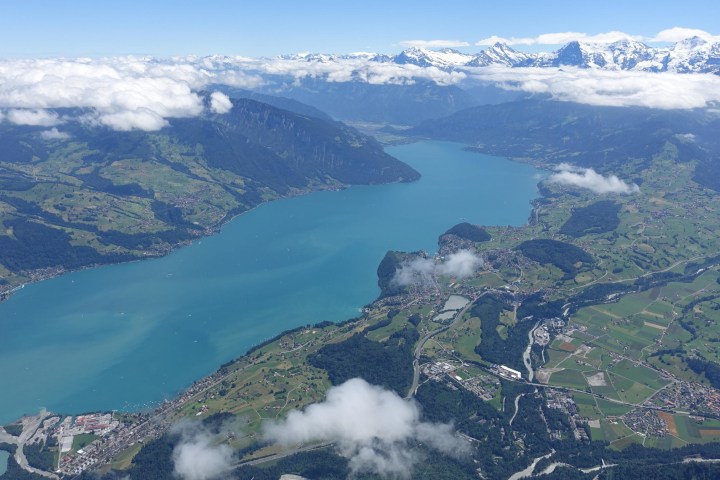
280, 149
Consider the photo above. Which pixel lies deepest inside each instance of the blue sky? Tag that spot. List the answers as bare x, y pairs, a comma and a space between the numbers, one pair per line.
43, 28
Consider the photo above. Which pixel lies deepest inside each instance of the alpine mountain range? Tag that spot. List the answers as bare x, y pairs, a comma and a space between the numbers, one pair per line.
692, 55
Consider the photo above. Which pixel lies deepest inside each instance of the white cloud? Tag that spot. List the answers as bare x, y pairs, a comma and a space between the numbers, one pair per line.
137, 119
123, 93
460, 264
610, 88
139, 93
372, 427
434, 43
54, 134
677, 34
335, 69
420, 271
198, 456
672, 35
588, 178
560, 38
144, 93
220, 103
36, 117
688, 137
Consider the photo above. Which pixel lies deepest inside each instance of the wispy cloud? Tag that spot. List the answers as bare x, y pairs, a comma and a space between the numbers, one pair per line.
434, 43
374, 428
674, 34
588, 178
220, 103
559, 38
677, 34
54, 134
199, 455
356, 69
419, 271
610, 88
35, 117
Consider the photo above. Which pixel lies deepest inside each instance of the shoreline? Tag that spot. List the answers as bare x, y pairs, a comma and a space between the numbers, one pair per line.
7, 290
215, 373
216, 229
48, 273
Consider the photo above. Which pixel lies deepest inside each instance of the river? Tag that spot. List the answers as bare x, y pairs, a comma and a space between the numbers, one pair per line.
124, 336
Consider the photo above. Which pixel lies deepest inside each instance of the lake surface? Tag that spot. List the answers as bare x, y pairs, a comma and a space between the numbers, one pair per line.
4, 461
121, 336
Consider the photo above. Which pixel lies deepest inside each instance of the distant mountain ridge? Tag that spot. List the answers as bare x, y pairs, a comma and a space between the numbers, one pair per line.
692, 55
589, 136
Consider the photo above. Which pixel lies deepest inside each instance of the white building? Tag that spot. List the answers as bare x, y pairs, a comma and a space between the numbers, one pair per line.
509, 372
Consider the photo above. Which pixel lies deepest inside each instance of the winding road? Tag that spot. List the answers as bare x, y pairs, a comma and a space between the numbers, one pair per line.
423, 341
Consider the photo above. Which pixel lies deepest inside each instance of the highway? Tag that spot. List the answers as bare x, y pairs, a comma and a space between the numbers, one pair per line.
421, 344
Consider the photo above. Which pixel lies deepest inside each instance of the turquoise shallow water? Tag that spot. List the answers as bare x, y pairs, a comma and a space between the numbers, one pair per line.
121, 336
3, 461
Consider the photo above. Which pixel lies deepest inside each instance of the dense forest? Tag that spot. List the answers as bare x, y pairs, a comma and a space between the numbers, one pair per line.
389, 364
598, 217
467, 231
563, 255
38, 246
710, 370
493, 347
386, 273
39, 456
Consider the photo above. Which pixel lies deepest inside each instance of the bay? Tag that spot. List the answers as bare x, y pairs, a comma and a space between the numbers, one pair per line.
125, 336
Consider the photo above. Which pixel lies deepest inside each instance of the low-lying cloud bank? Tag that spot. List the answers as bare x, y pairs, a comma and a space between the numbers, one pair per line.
143, 93
610, 88
372, 427
588, 178
421, 271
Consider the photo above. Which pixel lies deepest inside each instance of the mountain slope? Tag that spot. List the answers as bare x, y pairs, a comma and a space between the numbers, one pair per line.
273, 147
554, 132
382, 103
692, 55
101, 196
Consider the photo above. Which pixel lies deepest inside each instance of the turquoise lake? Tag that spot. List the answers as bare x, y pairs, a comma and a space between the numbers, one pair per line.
3, 461
125, 336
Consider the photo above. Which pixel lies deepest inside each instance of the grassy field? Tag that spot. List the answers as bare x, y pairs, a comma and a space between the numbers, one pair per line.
467, 336
624, 333
82, 440
604, 352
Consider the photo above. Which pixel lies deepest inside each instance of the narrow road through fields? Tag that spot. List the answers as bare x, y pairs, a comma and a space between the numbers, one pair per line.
423, 341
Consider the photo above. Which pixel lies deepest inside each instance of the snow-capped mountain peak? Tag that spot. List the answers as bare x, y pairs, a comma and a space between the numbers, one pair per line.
502, 54
423, 57
692, 55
